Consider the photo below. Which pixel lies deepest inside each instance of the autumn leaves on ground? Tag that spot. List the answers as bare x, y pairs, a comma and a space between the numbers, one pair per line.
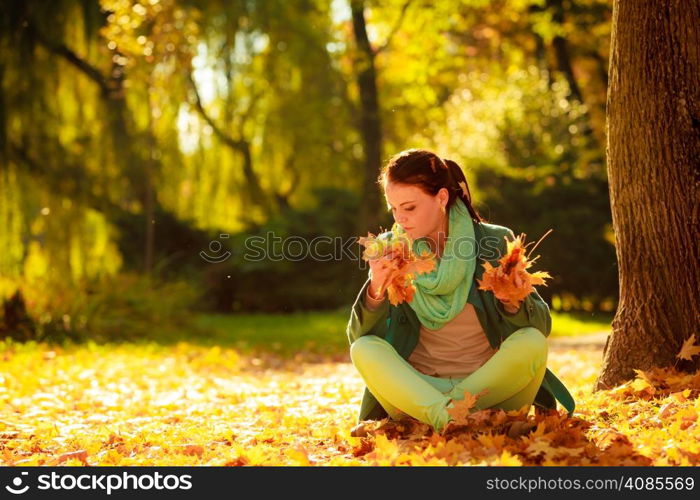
186, 403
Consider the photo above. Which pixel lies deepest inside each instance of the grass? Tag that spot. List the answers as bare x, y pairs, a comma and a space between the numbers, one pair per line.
324, 332
283, 334
571, 324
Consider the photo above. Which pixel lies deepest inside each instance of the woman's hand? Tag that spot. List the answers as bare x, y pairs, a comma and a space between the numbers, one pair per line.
509, 308
381, 270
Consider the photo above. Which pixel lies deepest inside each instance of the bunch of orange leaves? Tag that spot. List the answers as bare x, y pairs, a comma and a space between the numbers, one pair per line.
405, 263
511, 282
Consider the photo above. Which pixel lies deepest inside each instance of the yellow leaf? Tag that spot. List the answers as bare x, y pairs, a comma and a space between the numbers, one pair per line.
80, 455
192, 449
508, 460
298, 455
641, 385
540, 446
689, 349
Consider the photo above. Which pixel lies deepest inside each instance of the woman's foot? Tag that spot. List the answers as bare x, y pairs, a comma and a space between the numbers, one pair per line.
359, 430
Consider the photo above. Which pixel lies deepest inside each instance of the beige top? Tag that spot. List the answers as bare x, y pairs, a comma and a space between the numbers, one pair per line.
457, 349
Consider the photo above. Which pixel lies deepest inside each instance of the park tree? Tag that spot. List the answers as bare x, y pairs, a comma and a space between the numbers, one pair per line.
653, 150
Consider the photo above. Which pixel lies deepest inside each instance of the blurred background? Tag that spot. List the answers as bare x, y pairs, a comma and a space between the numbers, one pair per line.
135, 135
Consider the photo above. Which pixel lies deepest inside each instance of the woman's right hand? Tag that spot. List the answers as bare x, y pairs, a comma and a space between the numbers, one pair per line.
381, 269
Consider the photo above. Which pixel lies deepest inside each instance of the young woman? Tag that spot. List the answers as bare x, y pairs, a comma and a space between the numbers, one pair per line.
416, 358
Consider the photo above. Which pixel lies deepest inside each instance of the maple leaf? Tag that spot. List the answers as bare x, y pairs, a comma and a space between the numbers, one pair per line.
689, 349
482, 417
665, 410
77, 455
541, 446
191, 449
508, 459
510, 282
298, 455
643, 387
405, 264
462, 408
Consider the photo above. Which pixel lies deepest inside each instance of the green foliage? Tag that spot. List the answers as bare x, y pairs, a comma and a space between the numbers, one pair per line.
534, 164
177, 244
273, 283
121, 307
555, 178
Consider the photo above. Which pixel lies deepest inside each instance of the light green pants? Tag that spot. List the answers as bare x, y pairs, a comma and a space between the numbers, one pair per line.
512, 376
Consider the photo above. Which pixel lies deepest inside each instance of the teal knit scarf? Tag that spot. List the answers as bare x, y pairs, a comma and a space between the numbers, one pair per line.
441, 294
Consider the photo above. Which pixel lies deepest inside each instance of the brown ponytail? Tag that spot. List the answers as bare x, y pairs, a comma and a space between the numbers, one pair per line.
459, 181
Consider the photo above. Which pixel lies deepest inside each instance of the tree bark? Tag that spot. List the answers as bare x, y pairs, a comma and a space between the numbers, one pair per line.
653, 114
371, 129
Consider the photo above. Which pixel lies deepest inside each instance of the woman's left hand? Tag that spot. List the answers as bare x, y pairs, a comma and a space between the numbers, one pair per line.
509, 308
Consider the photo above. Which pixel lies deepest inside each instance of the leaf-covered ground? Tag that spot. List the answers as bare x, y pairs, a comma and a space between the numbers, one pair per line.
188, 404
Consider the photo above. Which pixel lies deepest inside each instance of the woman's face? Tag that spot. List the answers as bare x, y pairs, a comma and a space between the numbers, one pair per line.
418, 212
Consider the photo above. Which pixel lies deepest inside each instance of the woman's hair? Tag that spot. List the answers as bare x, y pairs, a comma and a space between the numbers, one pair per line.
429, 172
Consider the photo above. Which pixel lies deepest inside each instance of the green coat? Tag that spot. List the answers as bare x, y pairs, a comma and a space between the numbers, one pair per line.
399, 324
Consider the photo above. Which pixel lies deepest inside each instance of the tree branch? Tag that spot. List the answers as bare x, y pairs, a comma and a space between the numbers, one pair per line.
253, 188
70, 56
397, 26
51, 177
233, 143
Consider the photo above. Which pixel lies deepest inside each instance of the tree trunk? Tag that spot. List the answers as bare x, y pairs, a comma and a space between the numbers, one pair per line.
564, 63
3, 120
149, 205
561, 50
653, 160
371, 129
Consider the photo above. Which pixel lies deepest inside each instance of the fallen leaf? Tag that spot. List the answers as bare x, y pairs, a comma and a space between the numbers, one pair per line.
689, 349
665, 410
78, 455
540, 446
192, 449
